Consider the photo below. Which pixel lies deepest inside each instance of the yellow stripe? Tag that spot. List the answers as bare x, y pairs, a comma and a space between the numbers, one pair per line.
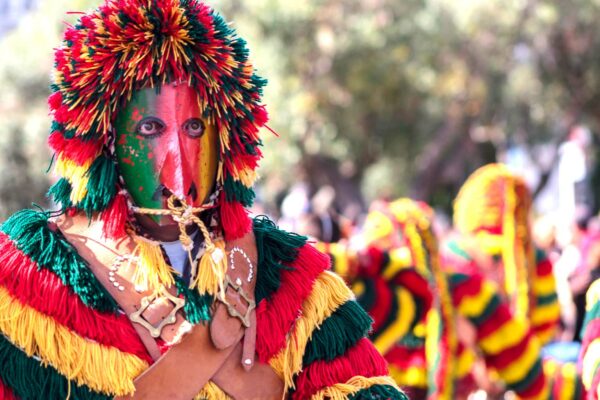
569, 374
400, 259
473, 306
403, 319
341, 391
518, 368
591, 363
509, 335
546, 313
328, 293
543, 286
412, 376
465, 363
358, 288
104, 369
341, 257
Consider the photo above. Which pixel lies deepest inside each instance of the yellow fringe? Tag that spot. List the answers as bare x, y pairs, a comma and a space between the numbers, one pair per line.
465, 363
102, 368
152, 272
212, 392
211, 270
401, 325
473, 306
328, 293
341, 391
592, 295
400, 259
75, 174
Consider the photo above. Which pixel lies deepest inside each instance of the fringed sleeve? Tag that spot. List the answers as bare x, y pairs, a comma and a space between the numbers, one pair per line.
508, 345
310, 328
590, 352
59, 328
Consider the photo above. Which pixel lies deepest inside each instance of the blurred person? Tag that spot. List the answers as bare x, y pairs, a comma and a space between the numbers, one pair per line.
152, 282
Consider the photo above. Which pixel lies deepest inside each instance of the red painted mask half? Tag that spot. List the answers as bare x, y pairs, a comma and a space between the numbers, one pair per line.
165, 147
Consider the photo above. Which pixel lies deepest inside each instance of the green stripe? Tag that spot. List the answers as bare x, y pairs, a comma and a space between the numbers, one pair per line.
367, 298
28, 379
236, 191
545, 300
392, 314
488, 311
197, 306
275, 247
526, 382
341, 331
459, 251
378, 392
31, 234
456, 278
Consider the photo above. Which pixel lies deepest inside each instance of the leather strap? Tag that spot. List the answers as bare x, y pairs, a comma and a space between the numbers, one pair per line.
186, 367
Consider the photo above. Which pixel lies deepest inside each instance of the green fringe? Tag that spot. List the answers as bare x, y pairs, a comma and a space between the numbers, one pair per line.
367, 298
392, 314
379, 392
102, 185
488, 311
275, 248
545, 300
60, 193
29, 379
590, 315
31, 234
341, 331
236, 191
197, 306
524, 383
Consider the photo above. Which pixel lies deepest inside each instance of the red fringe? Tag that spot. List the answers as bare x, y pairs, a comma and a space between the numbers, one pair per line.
234, 219
417, 285
468, 288
80, 151
42, 290
54, 101
500, 317
114, 218
544, 268
375, 258
509, 355
276, 316
6, 392
362, 359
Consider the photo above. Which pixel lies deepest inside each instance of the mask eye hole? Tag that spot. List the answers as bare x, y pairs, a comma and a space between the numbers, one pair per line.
194, 127
150, 127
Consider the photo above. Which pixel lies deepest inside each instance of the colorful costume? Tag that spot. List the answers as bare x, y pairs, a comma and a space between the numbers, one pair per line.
590, 354
156, 128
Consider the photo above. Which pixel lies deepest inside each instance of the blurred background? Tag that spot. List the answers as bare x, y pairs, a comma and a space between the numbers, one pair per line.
371, 98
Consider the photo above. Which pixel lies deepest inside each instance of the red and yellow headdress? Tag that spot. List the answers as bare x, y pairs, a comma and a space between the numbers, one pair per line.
127, 45
493, 206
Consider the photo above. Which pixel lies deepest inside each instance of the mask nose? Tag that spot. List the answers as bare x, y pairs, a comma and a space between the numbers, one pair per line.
176, 173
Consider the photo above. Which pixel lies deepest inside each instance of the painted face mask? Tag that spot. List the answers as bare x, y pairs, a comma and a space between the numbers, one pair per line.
164, 147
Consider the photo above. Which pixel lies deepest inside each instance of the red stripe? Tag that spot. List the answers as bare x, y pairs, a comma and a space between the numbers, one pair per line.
544, 268
275, 316
42, 290
468, 288
403, 357
78, 150
500, 317
509, 355
535, 388
383, 304
558, 382
416, 284
360, 360
6, 392
545, 326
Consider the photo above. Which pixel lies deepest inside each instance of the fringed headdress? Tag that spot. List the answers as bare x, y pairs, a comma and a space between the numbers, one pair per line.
415, 221
494, 205
127, 45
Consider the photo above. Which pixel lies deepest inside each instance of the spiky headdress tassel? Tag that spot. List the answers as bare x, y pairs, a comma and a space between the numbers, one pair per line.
127, 45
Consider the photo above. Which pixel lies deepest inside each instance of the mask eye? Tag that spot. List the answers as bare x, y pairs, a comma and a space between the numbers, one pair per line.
194, 127
150, 127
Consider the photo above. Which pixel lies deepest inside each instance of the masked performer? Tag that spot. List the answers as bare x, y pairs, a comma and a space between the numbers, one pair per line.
154, 283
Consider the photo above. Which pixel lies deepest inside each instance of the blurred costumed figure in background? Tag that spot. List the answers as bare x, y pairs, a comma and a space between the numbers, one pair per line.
152, 281
590, 351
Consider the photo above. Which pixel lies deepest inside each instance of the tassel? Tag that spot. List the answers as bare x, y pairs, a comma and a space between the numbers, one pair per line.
211, 270
234, 218
151, 272
114, 218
